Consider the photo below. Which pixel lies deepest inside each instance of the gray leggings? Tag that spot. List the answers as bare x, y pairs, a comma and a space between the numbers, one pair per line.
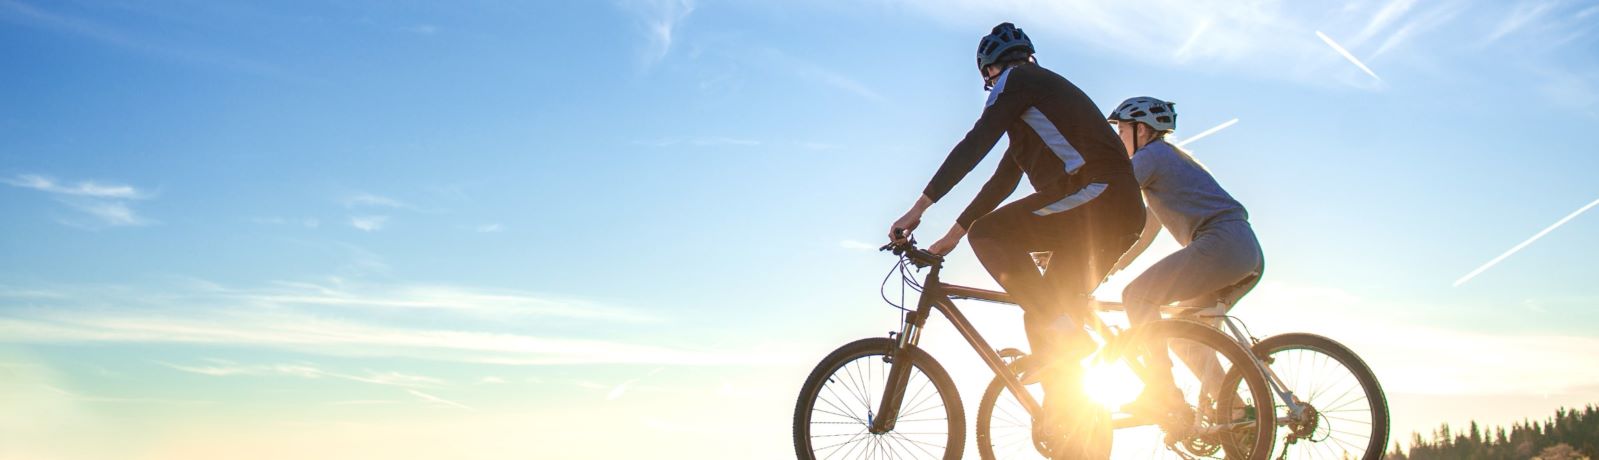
1208, 270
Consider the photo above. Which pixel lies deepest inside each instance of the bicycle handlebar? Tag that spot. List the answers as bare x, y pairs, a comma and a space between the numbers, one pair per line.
919, 257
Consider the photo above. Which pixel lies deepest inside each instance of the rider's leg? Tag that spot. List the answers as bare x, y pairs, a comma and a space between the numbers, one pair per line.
1054, 301
1222, 255
1003, 241
1084, 244
1205, 365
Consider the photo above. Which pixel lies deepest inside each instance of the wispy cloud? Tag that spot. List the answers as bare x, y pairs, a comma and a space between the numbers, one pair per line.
821, 75
857, 245
468, 333
31, 15
369, 223
1411, 26
820, 146
490, 228
1347, 55
364, 199
838, 80
1524, 14
224, 368
1519, 247
619, 390
363, 402
1390, 13
713, 141
660, 20
106, 203
308, 222
84, 188
437, 400
113, 213
478, 302
1263, 39
319, 335
112, 399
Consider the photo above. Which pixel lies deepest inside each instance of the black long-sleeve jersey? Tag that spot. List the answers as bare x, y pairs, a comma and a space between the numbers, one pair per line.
1058, 139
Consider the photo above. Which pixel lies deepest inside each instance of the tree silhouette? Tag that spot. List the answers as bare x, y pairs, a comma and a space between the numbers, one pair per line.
1571, 434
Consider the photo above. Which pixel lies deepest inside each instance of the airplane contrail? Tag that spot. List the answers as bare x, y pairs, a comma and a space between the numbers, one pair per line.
1347, 55
1524, 244
436, 399
1207, 132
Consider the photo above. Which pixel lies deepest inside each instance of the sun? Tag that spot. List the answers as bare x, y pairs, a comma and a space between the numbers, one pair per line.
1111, 384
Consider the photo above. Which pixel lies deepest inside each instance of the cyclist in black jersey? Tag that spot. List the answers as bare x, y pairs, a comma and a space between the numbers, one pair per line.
1086, 209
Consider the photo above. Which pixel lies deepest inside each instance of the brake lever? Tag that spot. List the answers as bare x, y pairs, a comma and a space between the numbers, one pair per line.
899, 248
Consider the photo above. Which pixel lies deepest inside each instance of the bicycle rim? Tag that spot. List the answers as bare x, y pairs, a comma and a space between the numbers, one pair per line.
833, 415
1348, 415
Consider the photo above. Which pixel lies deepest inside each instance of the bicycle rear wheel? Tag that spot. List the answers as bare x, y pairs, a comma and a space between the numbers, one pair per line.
1004, 427
832, 418
1347, 415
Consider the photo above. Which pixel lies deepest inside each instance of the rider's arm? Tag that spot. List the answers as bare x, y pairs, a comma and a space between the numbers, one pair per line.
1146, 168
1005, 106
1151, 229
999, 187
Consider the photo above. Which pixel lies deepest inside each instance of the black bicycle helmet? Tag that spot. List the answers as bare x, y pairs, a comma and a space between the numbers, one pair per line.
1004, 37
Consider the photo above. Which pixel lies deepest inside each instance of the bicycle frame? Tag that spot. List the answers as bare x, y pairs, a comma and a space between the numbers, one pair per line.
940, 296
1295, 406
1235, 332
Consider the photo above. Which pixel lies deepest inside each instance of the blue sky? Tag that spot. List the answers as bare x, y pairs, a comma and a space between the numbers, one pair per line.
435, 221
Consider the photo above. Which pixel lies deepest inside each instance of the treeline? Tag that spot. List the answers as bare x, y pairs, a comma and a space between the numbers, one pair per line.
1571, 435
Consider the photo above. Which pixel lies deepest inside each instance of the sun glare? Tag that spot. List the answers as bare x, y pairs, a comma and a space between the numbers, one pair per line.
1111, 384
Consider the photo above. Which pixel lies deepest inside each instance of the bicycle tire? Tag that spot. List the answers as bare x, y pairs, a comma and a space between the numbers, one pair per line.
1169, 329
1288, 355
861, 368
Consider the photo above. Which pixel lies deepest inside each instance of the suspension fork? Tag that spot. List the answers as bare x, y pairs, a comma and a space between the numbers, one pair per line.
899, 371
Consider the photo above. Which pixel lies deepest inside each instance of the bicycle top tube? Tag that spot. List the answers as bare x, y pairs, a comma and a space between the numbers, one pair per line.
923, 258
1173, 310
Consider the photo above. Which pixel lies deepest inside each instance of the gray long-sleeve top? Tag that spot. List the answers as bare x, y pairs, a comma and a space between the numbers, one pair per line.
1181, 192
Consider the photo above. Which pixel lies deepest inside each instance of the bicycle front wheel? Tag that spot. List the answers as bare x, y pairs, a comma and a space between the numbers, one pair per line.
1345, 413
832, 418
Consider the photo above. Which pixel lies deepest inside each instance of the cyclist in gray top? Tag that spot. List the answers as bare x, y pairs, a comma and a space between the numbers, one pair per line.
1220, 260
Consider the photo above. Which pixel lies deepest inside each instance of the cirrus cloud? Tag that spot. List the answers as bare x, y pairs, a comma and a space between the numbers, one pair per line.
107, 204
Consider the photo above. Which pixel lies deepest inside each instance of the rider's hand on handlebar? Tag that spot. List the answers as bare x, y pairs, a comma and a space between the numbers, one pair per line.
944, 245
901, 230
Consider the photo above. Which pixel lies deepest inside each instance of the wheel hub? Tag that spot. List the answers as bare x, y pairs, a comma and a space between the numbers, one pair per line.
1303, 426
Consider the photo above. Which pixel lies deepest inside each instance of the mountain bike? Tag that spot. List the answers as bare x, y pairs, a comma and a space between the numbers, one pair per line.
884, 397
1329, 404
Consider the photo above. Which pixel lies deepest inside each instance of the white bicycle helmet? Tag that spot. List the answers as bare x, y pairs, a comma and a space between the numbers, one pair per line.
1156, 113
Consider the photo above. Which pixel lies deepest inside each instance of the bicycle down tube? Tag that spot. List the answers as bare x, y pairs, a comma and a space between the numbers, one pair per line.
938, 295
